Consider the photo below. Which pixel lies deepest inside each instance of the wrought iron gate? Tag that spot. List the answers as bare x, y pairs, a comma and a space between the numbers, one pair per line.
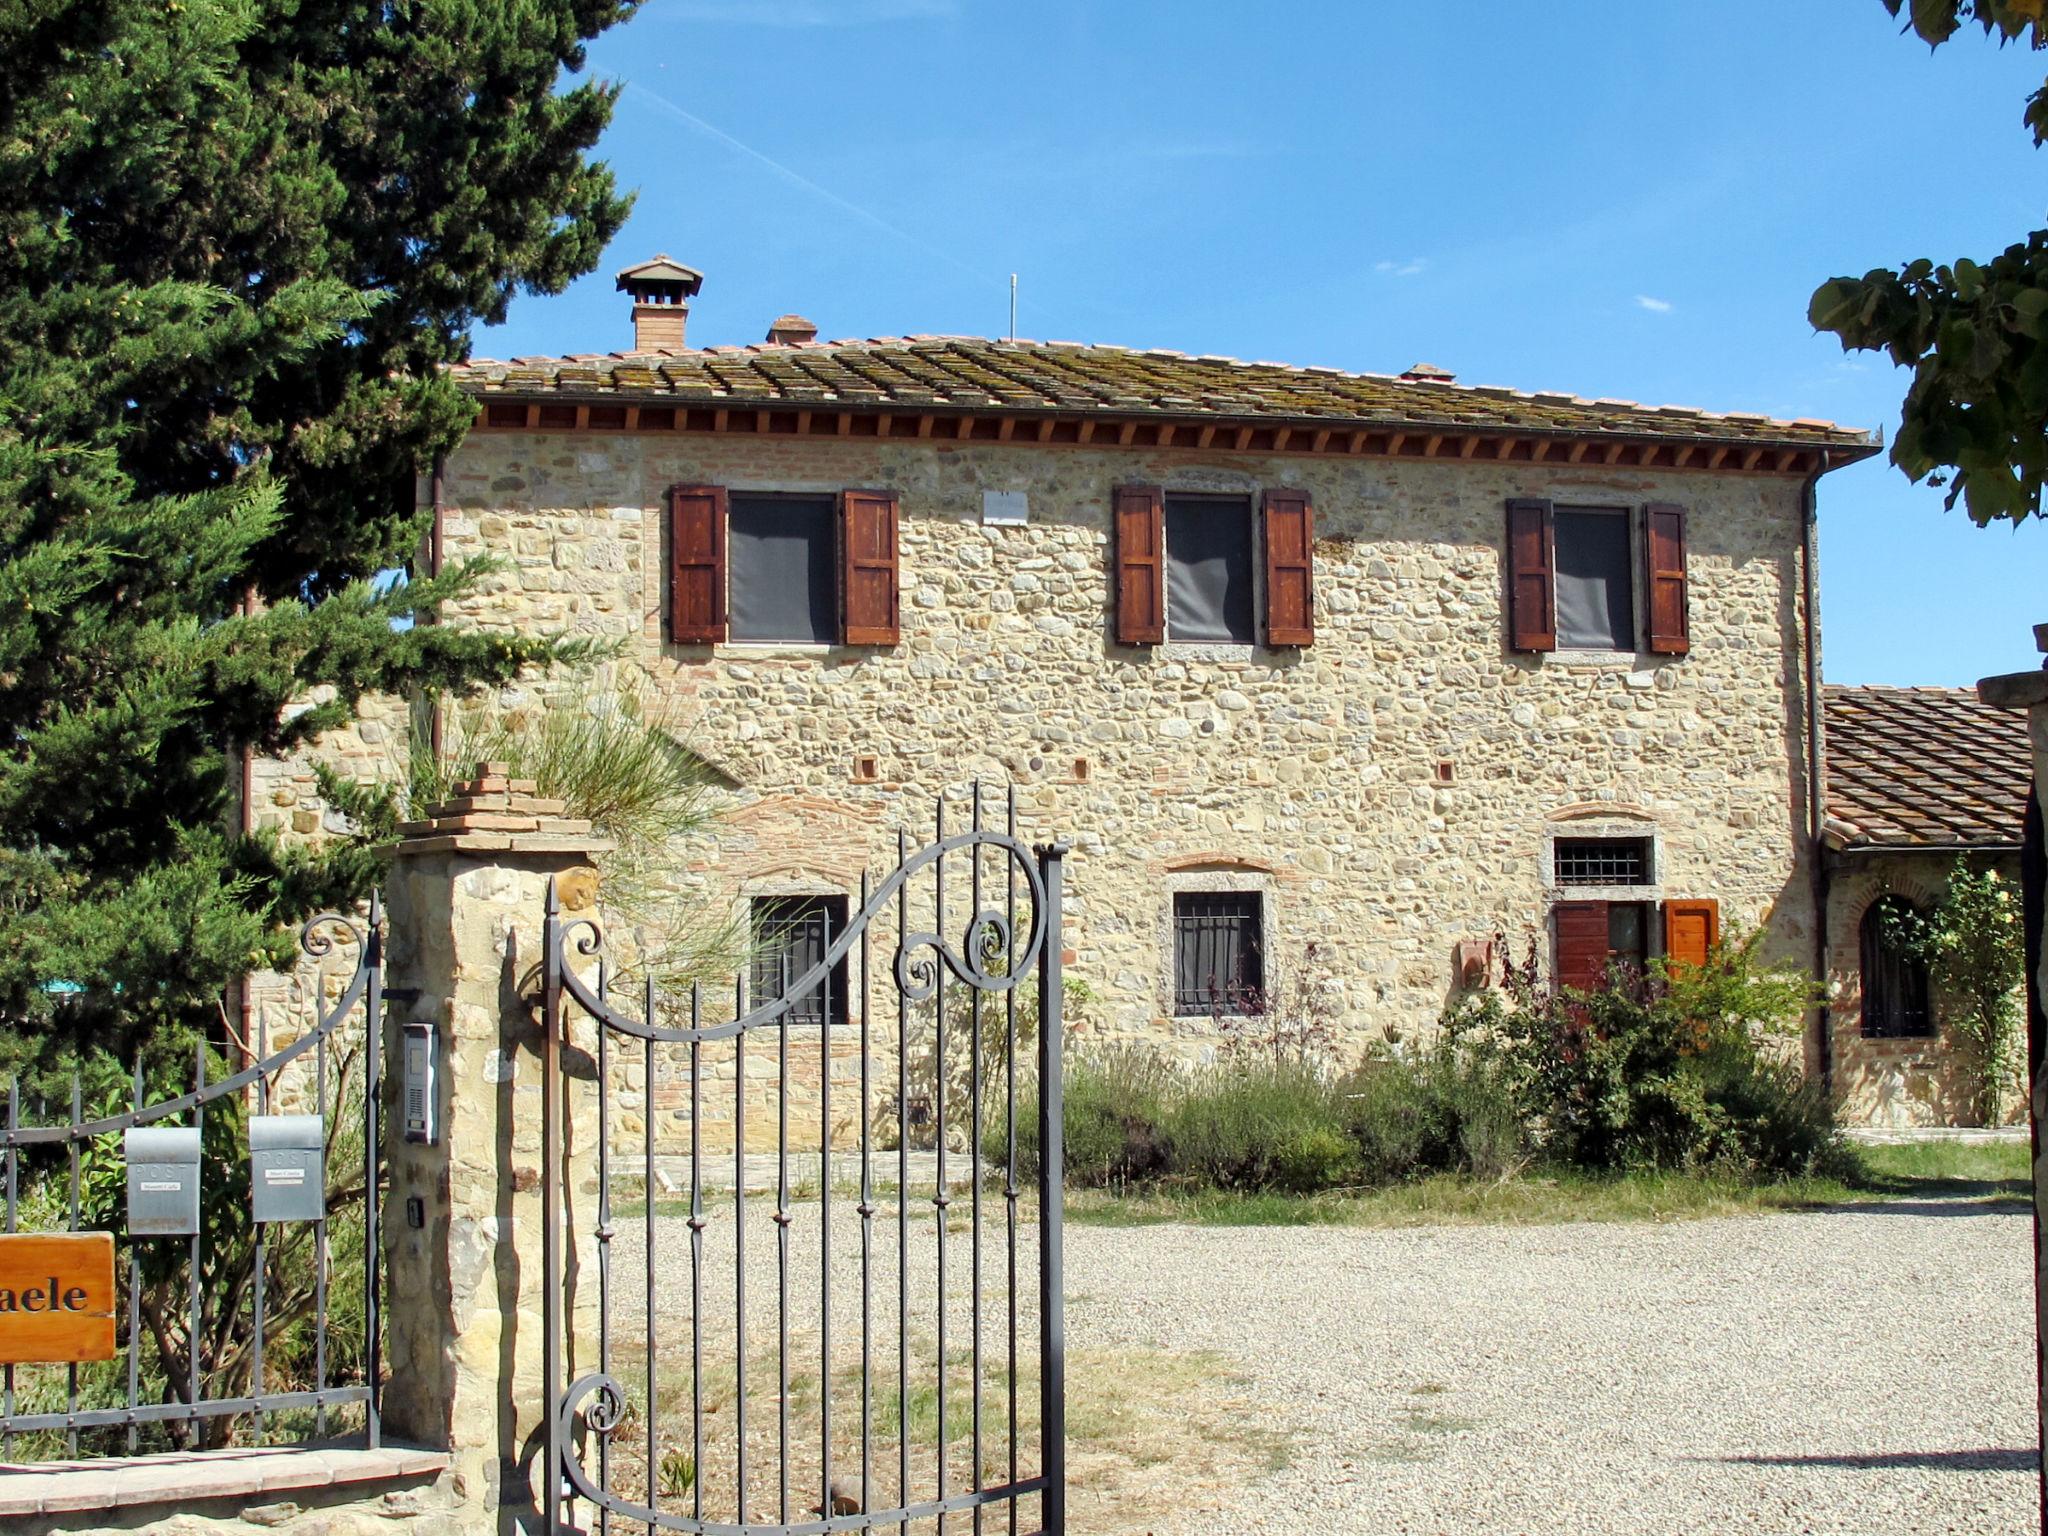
868, 1423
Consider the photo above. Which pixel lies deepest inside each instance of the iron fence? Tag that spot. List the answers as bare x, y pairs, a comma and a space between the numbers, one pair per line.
198, 1310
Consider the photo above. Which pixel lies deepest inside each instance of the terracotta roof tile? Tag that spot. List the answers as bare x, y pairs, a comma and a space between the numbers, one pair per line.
967, 372
1914, 767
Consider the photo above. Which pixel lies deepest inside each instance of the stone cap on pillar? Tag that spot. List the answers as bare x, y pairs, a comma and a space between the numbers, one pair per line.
492, 812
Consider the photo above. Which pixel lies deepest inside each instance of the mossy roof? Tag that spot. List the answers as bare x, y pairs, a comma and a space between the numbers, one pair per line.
959, 373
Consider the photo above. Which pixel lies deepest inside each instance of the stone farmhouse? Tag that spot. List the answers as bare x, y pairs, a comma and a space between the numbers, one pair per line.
1333, 680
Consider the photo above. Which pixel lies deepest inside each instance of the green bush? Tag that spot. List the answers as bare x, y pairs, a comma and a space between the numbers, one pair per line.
1670, 1071
1262, 1125
1115, 1105
1451, 1108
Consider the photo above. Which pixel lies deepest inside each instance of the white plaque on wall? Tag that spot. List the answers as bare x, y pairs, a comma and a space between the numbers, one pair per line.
1013, 507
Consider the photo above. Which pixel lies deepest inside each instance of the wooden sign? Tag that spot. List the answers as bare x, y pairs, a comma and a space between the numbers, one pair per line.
56, 1297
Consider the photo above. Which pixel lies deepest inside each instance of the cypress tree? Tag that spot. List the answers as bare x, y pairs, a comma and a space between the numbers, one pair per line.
238, 239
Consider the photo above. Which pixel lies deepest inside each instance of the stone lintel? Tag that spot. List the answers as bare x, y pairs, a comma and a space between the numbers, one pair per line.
2014, 690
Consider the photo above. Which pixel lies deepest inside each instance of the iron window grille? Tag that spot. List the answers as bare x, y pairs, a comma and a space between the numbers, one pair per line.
1601, 861
791, 934
1218, 952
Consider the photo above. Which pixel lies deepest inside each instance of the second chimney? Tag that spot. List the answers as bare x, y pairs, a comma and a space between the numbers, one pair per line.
661, 290
791, 331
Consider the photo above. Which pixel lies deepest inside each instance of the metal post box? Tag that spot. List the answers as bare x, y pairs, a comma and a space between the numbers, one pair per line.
286, 1179
163, 1180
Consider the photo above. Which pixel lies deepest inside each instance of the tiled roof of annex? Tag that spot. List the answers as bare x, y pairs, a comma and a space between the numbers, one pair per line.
1924, 767
940, 374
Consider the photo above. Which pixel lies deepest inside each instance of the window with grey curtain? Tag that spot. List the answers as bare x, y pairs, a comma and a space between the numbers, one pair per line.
1596, 608
781, 582
791, 934
1209, 569
1218, 958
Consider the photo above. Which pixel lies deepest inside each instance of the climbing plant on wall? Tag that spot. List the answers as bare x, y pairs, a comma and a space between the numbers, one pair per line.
1974, 947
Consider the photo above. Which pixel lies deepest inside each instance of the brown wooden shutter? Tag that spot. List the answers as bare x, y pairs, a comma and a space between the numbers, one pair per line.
1532, 577
868, 604
1140, 565
1664, 578
1581, 945
696, 564
1691, 930
1290, 569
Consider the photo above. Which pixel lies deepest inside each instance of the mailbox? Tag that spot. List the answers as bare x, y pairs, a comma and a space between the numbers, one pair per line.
163, 1180
286, 1179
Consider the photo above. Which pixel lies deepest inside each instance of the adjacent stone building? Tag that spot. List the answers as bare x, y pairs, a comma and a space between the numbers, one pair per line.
1917, 778
1333, 680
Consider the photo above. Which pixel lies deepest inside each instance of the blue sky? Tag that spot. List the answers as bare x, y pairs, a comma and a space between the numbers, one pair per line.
1628, 200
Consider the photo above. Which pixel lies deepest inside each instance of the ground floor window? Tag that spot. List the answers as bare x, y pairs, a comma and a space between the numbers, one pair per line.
1895, 994
1218, 951
1593, 937
791, 935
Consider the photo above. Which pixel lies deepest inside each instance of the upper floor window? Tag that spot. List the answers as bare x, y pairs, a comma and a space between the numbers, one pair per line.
1218, 951
780, 584
1895, 993
760, 567
1209, 569
791, 936
1596, 608
1186, 567
1573, 578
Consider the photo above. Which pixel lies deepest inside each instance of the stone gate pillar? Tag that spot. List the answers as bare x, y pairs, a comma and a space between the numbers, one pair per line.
463, 1234
2029, 691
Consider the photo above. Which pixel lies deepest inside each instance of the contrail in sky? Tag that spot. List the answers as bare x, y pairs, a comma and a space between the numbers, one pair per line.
712, 130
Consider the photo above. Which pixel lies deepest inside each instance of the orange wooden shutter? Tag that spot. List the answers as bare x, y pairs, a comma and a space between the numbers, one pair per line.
1664, 578
1532, 577
1581, 945
1140, 565
1691, 930
868, 610
696, 564
1290, 569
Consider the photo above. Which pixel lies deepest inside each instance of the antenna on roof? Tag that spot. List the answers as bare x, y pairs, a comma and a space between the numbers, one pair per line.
1013, 306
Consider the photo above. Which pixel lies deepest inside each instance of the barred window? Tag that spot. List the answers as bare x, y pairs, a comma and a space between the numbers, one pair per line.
1601, 861
1218, 951
1895, 1002
791, 935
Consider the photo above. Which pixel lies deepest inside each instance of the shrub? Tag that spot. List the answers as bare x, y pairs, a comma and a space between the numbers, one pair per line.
1450, 1108
1115, 1105
1260, 1125
1669, 1071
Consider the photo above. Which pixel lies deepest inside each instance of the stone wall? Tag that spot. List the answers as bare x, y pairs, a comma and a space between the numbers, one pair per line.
1391, 788
1894, 1083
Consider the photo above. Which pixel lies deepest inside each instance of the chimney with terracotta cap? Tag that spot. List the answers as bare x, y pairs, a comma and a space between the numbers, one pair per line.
791, 331
1428, 373
661, 290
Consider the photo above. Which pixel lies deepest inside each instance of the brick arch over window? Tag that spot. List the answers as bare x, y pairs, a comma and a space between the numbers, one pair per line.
1896, 998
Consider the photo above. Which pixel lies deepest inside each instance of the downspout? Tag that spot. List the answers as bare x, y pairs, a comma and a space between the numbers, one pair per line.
1816, 766
436, 487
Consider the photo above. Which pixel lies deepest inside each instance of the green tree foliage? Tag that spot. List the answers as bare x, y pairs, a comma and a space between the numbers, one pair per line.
237, 239
1975, 333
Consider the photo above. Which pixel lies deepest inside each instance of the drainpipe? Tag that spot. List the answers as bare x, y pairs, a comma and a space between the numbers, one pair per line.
436, 487
1816, 765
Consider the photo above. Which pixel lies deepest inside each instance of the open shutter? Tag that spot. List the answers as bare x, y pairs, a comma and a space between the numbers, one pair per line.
1140, 565
1290, 569
1532, 577
696, 564
1581, 944
1691, 930
868, 606
1664, 578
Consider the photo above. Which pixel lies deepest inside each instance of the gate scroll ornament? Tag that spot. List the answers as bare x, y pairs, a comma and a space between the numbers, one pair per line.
1010, 936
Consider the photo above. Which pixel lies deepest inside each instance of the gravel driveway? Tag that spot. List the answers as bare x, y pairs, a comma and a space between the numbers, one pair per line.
1863, 1370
